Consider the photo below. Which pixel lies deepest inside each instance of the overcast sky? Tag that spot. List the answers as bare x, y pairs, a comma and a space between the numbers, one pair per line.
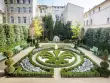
83, 3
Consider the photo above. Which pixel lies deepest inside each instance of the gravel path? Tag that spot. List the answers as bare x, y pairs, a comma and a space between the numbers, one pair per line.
93, 57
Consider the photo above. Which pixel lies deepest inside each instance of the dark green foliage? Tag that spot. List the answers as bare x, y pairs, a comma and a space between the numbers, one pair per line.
48, 27
63, 30
2, 38
37, 45
9, 70
104, 65
9, 62
99, 37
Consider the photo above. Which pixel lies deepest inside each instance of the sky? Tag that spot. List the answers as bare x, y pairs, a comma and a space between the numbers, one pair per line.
86, 4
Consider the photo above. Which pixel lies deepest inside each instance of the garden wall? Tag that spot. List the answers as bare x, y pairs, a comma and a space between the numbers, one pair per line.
12, 35
99, 37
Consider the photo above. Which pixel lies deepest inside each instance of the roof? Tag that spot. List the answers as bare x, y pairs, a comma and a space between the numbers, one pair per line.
104, 2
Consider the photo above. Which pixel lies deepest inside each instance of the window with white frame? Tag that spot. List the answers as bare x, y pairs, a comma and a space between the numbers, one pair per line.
11, 1
24, 1
30, 9
108, 20
18, 1
24, 19
18, 9
19, 19
24, 9
11, 9
12, 19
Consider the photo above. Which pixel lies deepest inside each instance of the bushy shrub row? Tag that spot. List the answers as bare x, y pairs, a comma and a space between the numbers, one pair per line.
31, 74
99, 37
80, 74
12, 35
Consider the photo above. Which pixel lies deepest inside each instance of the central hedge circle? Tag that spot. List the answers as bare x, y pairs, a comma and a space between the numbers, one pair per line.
56, 59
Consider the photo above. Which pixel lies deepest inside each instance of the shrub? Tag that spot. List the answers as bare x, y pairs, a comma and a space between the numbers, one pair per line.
9, 62
104, 65
99, 37
8, 53
105, 56
9, 69
37, 45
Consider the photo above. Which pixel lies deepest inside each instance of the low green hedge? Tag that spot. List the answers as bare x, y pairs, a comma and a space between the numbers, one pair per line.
55, 65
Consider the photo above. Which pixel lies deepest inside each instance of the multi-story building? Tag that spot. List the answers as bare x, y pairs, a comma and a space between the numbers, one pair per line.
70, 12
55, 11
20, 11
73, 14
2, 10
99, 16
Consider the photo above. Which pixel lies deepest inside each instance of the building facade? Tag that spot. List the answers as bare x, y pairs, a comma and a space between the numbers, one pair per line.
55, 11
2, 10
99, 16
20, 11
73, 14
70, 12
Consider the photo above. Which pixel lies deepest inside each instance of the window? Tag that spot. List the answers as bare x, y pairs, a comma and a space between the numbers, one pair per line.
19, 20
24, 9
93, 11
24, 19
11, 1
108, 20
12, 19
99, 8
40, 11
29, 1
24, 1
87, 23
5, 1
18, 1
18, 9
91, 21
4, 19
12, 9
30, 9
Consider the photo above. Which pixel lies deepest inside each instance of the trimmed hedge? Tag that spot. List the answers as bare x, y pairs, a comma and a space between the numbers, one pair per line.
99, 37
49, 64
65, 72
11, 36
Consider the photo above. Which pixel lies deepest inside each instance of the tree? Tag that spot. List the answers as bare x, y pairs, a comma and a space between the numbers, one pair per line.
76, 31
81, 34
48, 26
37, 29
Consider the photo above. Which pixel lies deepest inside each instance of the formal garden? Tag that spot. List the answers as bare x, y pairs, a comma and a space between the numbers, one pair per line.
55, 46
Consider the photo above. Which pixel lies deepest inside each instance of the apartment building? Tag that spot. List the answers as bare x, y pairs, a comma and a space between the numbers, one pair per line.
73, 14
20, 11
69, 12
98, 16
55, 11
2, 10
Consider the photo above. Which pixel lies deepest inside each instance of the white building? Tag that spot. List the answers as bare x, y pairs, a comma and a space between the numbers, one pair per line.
55, 11
73, 13
2, 10
20, 11
99, 16
70, 12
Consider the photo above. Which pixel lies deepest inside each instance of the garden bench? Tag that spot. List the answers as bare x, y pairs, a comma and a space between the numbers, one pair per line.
18, 48
2, 57
94, 49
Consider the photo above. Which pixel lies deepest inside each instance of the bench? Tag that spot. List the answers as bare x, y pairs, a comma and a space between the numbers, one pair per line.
18, 48
94, 50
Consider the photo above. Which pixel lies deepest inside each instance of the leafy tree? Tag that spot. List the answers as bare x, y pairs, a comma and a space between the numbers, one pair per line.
76, 31
48, 26
37, 28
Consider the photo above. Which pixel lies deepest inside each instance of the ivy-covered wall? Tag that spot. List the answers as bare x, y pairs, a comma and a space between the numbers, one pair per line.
99, 37
12, 35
